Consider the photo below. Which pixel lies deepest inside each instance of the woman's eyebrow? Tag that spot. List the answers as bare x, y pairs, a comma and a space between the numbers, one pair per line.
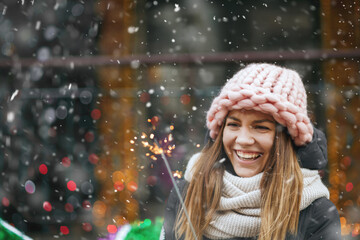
234, 118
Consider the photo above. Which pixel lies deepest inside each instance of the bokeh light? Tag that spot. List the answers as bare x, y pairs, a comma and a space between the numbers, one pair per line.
111, 228
95, 114
5, 202
99, 209
185, 99
69, 207
349, 187
30, 187
132, 186
47, 206
87, 187
71, 185
64, 230
93, 158
119, 186
86, 204
89, 137
87, 227
66, 162
43, 169
85, 97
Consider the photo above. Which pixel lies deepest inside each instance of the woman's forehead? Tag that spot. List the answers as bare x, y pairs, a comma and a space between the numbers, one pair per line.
253, 114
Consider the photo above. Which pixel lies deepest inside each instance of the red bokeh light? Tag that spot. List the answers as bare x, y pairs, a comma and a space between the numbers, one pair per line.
112, 228
5, 202
89, 137
69, 207
86, 204
95, 114
64, 230
144, 97
119, 186
66, 162
185, 99
47, 206
93, 158
71, 185
349, 187
43, 169
87, 227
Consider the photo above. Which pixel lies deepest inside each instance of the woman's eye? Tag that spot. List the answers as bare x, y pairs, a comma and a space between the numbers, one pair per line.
232, 124
262, 127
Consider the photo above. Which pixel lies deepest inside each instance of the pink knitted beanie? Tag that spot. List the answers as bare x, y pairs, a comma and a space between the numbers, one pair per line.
266, 88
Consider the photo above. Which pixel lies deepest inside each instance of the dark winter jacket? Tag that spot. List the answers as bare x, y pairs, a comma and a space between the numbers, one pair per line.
320, 220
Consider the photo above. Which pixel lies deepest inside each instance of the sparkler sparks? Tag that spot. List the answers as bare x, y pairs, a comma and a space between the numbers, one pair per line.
178, 174
166, 146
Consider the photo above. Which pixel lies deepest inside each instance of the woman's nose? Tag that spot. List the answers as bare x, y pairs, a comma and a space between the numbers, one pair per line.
245, 137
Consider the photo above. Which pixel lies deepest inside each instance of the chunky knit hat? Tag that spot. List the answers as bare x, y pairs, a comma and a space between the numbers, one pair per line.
266, 88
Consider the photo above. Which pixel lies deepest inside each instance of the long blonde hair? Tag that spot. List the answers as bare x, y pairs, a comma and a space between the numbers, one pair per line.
281, 188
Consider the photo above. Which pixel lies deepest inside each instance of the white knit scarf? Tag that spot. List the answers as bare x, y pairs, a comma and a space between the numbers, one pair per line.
239, 209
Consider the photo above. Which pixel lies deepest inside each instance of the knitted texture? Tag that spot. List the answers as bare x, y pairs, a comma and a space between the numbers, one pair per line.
239, 210
266, 88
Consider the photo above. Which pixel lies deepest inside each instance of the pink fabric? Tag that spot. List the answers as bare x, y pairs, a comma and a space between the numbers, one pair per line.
267, 88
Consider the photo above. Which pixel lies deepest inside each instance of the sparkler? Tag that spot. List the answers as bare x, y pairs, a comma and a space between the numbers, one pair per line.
167, 148
176, 187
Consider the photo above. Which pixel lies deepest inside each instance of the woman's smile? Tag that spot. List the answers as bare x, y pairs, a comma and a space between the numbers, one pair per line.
247, 156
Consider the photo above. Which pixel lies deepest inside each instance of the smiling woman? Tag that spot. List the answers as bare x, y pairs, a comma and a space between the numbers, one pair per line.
248, 183
247, 139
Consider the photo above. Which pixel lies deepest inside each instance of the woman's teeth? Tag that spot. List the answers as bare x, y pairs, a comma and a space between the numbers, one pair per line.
248, 156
